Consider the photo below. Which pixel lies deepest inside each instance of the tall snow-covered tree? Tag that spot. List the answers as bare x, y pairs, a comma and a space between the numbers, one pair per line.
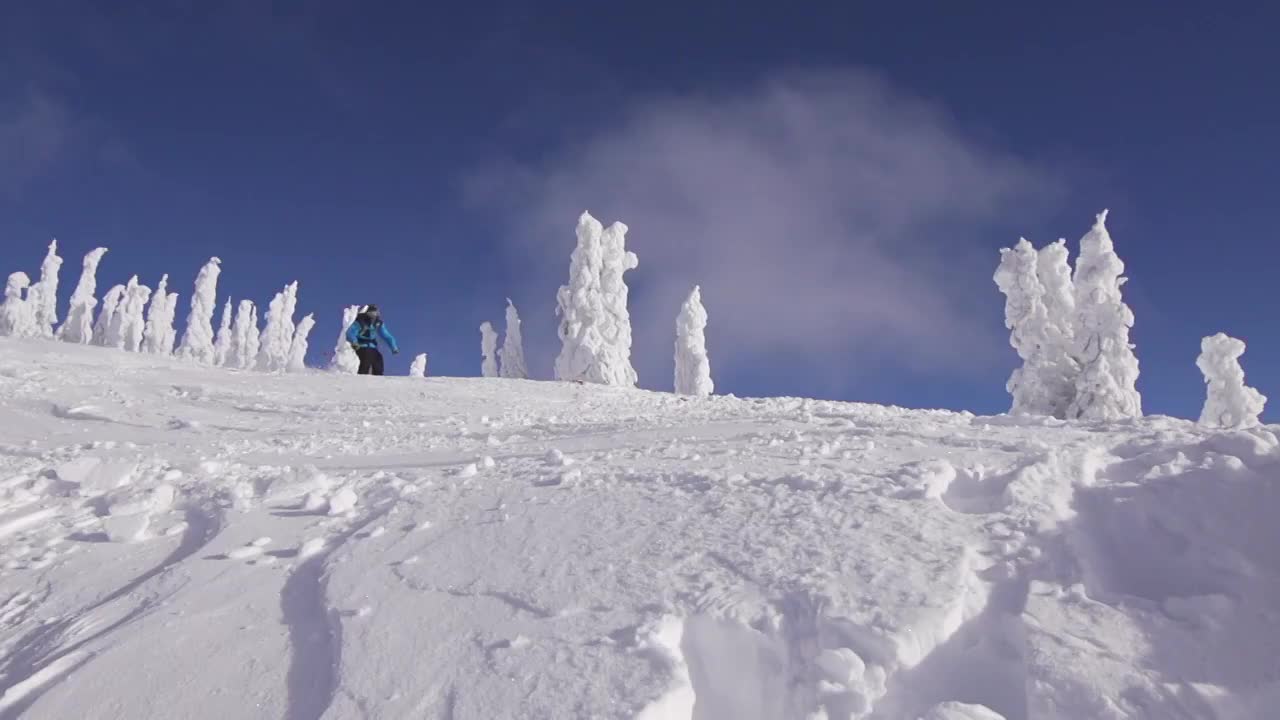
128, 325
277, 332
104, 328
252, 338
78, 326
1106, 386
1058, 338
298, 344
43, 295
488, 350
418, 368
512, 353
244, 337
616, 367
693, 367
1229, 403
222, 341
153, 331
344, 358
170, 336
580, 307
197, 338
17, 313
1026, 318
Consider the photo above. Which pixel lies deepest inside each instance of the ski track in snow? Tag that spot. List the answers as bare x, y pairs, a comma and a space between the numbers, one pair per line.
180, 541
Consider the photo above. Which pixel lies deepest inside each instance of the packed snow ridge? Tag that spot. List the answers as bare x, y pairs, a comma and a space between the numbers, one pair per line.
178, 540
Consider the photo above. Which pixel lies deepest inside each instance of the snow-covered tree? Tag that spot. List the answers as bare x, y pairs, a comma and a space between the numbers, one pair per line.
1026, 317
344, 358
104, 328
488, 350
128, 325
197, 338
581, 307
616, 366
277, 333
78, 326
693, 367
43, 295
418, 368
298, 344
17, 314
1230, 403
244, 337
222, 341
1106, 386
512, 352
170, 336
154, 330
1058, 338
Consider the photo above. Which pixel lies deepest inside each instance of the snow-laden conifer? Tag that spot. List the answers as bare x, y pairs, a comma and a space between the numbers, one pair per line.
1026, 318
78, 325
197, 337
1229, 403
17, 313
488, 350
693, 367
297, 361
511, 355
222, 341
104, 328
43, 295
345, 359
418, 368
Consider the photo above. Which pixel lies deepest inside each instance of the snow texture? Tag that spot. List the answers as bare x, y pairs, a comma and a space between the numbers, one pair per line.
17, 314
1106, 384
244, 337
43, 294
277, 333
297, 361
550, 550
1027, 318
222, 341
511, 355
1230, 403
595, 326
693, 367
106, 327
418, 368
344, 358
197, 338
488, 350
78, 327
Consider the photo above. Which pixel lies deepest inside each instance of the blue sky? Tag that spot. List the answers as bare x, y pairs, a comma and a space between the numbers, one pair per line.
838, 178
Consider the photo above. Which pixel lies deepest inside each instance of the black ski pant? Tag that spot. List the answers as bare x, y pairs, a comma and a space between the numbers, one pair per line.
370, 361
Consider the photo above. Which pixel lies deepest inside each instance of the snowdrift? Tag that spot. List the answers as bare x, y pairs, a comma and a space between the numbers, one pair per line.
179, 541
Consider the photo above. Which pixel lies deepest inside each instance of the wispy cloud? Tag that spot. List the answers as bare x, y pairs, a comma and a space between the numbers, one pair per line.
828, 216
33, 134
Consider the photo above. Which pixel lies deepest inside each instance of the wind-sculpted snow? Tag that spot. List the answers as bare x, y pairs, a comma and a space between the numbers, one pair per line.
178, 540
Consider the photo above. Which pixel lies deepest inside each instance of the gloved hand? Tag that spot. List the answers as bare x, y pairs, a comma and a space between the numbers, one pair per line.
395, 351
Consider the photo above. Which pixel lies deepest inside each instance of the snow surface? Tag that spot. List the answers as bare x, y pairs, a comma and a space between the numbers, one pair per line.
184, 541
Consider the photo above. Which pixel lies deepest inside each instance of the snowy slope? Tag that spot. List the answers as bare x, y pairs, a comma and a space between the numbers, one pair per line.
188, 542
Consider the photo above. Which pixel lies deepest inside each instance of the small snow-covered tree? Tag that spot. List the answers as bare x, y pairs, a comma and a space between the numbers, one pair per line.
1230, 403
1026, 318
615, 359
298, 344
581, 307
277, 333
17, 314
1058, 339
222, 341
244, 337
104, 328
488, 350
153, 332
418, 368
693, 367
128, 325
197, 338
512, 353
43, 295
78, 326
345, 359
1106, 384
170, 335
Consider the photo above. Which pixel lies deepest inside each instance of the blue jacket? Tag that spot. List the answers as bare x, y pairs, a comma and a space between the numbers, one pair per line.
366, 335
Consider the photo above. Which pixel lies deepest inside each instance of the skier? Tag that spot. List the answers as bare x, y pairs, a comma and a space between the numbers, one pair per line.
363, 336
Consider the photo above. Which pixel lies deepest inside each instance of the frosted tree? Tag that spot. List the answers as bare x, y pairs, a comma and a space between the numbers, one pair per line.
222, 341
488, 350
106, 325
153, 331
170, 336
78, 326
43, 295
197, 338
244, 337
512, 352
418, 368
17, 314
1230, 403
344, 358
128, 325
581, 307
1027, 319
1058, 339
1106, 386
277, 333
298, 344
615, 359
693, 367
